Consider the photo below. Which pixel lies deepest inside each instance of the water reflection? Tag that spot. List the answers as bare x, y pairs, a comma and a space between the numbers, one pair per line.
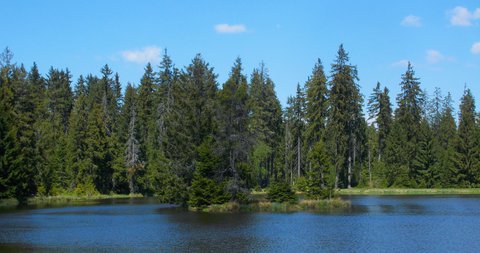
385, 224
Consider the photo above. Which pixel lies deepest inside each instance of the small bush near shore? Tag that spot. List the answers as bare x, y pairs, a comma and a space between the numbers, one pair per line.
275, 207
281, 192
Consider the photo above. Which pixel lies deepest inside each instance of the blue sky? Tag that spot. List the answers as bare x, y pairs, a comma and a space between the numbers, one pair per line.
440, 38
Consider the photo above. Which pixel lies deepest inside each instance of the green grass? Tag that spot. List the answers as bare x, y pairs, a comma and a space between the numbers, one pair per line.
408, 191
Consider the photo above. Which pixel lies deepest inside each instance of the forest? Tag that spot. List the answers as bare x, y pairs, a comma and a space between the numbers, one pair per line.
183, 137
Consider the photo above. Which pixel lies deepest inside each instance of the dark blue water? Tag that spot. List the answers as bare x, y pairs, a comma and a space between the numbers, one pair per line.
372, 224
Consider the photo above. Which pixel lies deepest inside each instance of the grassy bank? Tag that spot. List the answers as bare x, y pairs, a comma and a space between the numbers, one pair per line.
65, 199
406, 191
266, 206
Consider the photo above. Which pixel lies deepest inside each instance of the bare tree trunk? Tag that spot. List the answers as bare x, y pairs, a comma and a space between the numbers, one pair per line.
349, 171
299, 156
369, 167
337, 170
131, 186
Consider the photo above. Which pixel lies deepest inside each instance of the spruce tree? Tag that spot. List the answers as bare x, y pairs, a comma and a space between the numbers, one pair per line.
233, 135
316, 104
380, 109
265, 124
345, 117
409, 115
77, 161
467, 160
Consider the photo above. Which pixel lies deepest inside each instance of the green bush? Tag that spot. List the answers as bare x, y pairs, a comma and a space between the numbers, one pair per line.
87, 189
315, 189
205, 191
281, 192
301, 184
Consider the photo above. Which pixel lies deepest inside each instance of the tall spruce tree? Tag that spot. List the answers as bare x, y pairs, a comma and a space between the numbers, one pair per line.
467, 160
408, 115
380, 109
234, 141
297, 127
446, 141
316, 104
77, 160
265, 124
345, 117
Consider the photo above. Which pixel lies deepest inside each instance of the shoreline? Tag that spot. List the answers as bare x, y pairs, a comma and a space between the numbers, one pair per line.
257, 195
65, 199
408, 191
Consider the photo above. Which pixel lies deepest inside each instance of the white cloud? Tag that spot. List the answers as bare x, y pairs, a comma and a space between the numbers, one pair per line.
412, 20
226, 28
434, 57
461, 16
475, 48
401, 63
141, 56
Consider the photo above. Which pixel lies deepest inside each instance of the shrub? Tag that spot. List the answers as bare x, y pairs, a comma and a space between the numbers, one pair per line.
87, 189
205, 191
301, 184
281, 192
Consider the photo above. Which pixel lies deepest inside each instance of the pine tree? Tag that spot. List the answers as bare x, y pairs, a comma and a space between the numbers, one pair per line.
316, 104
298, 127
467, 160
380, 109
409, 115
13, 177
77, 161
233, 135
148, 132
200, 81
206, 189
321, 179
345, 117
425, 162
132, 149
60, 96
265, 124
445, 139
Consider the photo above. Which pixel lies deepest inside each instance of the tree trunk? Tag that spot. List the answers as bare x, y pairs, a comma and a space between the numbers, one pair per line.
369, 168
298, 156
131, 184
349, 171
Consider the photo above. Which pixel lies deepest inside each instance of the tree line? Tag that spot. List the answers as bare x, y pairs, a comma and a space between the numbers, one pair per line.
181, 136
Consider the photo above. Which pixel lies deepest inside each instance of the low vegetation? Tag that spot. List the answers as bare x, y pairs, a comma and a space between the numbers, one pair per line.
409, 191
58, 199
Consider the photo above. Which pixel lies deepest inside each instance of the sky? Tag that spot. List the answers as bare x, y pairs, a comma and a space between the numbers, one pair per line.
440, 38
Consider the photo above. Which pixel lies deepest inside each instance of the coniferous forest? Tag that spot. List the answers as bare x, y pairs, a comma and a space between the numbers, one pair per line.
181, 136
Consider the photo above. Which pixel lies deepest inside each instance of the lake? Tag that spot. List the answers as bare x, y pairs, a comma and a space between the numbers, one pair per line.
372, 224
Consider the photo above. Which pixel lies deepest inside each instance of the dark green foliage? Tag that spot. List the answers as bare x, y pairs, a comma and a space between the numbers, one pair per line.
234, 139
205, 190
345, 118
316, 104
281, 192
446, 138
425, 160
409, 116
265, 126
467, 160
180, 138
380, 110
